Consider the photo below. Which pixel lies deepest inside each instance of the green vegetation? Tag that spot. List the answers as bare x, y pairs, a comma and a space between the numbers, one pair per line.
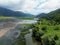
20, 41
3, 18
26, 18
47, 31
54, 15
25, 30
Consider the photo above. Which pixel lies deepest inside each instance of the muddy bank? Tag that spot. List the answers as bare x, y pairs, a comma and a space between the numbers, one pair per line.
8, 33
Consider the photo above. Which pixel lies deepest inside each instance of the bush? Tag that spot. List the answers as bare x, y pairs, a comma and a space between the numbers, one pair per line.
56, 37
48, 41
56, 28
35, 30
39, 35
44, 28
52, 42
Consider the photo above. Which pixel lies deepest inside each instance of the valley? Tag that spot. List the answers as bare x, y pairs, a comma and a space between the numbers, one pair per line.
18, 28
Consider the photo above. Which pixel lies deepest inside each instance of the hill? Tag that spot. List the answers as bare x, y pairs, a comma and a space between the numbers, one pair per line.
54, 15
8, 12
41, 15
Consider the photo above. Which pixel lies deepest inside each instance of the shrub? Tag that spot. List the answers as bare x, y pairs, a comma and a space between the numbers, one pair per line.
56, 37
52, 42
39, 35
46, 41
56, 28
44, 28
35, 30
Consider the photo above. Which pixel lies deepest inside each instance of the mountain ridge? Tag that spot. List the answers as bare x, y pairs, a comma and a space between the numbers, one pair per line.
8, 12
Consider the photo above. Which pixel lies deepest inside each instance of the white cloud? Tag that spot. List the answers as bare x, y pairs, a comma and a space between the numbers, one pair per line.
49, 6
5, 2
31, 6
43, 7
13, 4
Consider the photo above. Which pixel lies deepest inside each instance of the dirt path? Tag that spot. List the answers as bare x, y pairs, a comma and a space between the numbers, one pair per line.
3, 31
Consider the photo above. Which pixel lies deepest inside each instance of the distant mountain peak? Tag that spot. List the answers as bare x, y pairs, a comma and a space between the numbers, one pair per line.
41, 15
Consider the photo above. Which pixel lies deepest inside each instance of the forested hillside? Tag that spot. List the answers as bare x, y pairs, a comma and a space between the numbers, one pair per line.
54, 15
47, 29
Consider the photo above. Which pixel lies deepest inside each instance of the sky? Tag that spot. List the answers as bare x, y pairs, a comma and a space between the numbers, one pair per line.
31, 6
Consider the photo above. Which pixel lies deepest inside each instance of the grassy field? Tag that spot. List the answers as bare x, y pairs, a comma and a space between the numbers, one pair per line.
3, 18
25, 18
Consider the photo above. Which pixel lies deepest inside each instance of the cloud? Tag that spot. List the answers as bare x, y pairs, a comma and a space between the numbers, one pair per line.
40, 6
48, 6
31, 6
8, 2
12, 4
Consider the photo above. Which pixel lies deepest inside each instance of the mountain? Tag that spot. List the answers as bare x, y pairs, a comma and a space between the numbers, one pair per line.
41, 15
8, 12
54, 15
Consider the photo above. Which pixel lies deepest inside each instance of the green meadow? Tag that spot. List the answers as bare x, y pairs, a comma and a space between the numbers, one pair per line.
3, 18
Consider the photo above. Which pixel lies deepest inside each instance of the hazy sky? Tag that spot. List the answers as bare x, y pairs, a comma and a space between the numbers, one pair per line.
31, 6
